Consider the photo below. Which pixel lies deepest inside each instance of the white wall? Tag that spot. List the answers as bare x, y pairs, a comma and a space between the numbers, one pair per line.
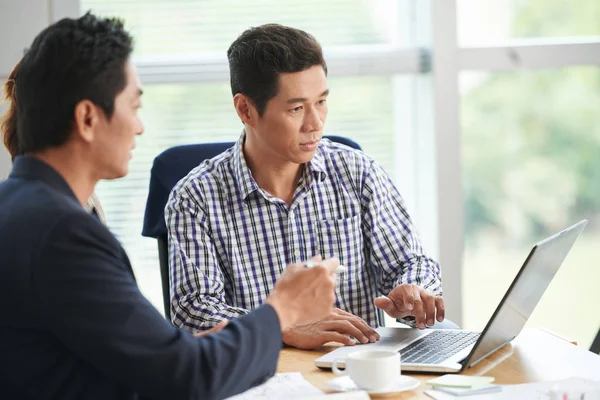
20, 22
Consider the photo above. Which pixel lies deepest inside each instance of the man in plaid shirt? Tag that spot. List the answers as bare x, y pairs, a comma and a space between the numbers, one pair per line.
282, 194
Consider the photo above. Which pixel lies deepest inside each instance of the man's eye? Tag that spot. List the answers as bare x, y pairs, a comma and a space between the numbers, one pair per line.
297, 109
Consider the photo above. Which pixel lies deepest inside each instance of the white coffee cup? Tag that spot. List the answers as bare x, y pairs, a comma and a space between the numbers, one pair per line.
371, 370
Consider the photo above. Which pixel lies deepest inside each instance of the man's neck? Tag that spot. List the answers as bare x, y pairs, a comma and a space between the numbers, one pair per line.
75, 172
277, 177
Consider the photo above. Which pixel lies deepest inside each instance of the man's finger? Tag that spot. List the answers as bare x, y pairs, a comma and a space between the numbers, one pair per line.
367, 330
385, 304
359, 323
441, 310
419, 309
345, 327
408, 297
337, 337
370, 333
429, 305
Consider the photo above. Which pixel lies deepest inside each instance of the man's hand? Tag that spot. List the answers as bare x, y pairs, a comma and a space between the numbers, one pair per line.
411, 300
303, 295
336, 327
214, 329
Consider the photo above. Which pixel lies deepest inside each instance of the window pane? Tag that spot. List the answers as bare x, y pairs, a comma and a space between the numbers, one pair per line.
531, 159
498, 21
361, 108
166, 27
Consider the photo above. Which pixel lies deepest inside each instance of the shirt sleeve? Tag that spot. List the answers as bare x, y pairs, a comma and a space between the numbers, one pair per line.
396, 250
89, 301
197, 280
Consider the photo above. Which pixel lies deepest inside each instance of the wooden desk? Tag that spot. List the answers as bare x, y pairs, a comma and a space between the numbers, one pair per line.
534, 356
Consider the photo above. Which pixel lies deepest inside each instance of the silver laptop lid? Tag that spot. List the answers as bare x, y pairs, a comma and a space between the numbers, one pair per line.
525, 292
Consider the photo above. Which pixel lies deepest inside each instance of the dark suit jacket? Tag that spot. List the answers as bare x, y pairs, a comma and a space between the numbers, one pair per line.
73, 324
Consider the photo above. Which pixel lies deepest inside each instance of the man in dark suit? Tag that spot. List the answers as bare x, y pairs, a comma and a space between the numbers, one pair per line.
74, 324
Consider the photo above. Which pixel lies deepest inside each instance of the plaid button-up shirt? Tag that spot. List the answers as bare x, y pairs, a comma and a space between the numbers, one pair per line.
229, 240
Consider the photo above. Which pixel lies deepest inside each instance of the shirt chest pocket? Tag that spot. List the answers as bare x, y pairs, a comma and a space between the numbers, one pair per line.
342, 238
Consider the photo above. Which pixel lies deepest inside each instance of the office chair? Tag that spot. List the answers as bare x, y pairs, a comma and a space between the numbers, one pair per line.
170, 167
595, 347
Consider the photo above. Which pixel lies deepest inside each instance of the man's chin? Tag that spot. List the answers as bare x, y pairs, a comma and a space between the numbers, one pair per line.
117, 174
306, 157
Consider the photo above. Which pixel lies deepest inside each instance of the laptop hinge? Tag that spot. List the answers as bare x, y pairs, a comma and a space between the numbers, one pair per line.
490, 352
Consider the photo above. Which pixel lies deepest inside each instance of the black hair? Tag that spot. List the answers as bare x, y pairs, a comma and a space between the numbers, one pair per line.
259, 55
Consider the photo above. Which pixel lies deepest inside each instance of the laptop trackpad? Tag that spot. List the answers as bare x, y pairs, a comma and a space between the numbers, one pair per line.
398, 337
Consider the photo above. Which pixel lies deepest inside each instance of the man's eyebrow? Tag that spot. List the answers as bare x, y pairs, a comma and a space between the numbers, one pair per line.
303, 99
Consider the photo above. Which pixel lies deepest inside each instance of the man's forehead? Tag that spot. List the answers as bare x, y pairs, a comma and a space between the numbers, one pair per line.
131, 91
135, 89
302, 88
305, 96
133, 79
309, 74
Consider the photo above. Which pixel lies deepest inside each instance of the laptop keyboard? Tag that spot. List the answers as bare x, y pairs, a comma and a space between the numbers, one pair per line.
437, 347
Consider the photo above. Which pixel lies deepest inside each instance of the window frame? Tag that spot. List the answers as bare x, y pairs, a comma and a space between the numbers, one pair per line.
435, 170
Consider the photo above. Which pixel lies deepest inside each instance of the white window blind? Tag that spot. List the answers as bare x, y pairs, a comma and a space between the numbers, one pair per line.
175, 28
369, 100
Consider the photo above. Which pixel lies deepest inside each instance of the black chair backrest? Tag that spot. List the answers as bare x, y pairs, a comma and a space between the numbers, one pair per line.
595, 347
170, 167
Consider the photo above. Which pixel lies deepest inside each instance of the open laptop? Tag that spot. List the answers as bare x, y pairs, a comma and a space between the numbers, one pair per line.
446, 350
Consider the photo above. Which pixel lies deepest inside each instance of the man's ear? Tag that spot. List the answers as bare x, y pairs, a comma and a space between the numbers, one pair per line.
86, 119
245, 109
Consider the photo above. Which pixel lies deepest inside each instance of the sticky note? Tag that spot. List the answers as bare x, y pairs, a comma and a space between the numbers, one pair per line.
461, 381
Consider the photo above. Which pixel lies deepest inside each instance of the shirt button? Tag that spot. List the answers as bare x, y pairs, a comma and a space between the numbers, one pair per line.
297, 253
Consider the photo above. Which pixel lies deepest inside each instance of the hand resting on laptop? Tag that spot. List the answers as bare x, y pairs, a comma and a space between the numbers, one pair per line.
339, 326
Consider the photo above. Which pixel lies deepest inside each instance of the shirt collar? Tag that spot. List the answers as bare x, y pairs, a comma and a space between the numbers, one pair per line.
245, 180
317, 164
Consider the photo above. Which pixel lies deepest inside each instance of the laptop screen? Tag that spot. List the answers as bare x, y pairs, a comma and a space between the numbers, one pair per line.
525, 292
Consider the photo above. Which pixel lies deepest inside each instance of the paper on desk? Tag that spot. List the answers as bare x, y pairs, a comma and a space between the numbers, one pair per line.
293, 386
289, 385
355, 395
538, 390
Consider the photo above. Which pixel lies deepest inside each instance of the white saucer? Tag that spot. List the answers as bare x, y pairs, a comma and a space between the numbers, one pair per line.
345, 384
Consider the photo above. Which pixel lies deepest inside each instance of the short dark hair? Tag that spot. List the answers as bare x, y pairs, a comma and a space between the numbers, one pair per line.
69, 61
260, 54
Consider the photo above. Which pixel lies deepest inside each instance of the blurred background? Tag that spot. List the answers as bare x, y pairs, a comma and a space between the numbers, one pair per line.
485, 113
